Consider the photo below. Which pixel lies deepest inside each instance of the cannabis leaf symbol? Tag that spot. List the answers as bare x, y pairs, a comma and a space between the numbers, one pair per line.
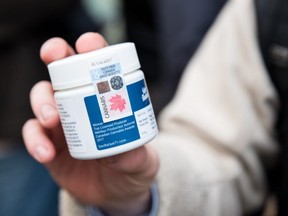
117, 102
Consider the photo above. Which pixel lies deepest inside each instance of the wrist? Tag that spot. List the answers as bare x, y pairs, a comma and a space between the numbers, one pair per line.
135, 206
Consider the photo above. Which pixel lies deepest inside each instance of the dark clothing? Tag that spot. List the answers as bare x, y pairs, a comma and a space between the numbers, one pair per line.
273, 37
24, 26
182, 26
166, 34
26, 186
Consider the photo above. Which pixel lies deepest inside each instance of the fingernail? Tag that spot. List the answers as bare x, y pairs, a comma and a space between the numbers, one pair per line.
50, 44
41, 153
48, 112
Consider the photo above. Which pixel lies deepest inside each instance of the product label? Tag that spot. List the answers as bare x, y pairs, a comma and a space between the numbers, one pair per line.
111, 91
140, 123
70, 125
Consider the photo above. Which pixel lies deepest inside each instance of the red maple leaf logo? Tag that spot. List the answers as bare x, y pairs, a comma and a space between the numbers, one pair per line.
117, 102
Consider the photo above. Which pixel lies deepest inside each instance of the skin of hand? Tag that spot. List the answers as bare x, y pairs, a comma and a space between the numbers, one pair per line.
119, 183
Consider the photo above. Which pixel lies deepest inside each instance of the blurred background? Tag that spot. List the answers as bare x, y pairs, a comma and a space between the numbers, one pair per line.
108, 14
166, 34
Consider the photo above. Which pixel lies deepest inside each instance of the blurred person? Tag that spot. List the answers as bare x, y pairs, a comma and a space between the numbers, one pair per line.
26, 187
217, 137
167, 33
273, 41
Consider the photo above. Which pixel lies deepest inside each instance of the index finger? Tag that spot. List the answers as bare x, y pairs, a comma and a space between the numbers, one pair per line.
41, 96
57, 48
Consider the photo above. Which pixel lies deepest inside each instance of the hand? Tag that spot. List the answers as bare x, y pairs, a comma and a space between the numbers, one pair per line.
119, 183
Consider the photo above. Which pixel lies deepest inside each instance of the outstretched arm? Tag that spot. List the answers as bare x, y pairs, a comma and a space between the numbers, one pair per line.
117, 184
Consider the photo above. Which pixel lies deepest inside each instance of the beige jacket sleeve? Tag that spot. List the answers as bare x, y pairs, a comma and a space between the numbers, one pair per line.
217, 134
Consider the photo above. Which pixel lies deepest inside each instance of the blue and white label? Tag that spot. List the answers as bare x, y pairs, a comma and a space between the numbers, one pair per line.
111, 91
140, 123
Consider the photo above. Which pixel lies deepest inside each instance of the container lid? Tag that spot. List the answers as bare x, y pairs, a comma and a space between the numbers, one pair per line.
76, 70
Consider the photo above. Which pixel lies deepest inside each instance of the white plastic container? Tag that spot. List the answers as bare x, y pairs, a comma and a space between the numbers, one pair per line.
103, 102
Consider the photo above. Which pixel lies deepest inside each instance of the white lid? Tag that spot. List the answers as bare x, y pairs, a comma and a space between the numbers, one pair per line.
74, 71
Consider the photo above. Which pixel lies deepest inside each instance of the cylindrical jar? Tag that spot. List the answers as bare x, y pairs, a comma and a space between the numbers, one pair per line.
103, 102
